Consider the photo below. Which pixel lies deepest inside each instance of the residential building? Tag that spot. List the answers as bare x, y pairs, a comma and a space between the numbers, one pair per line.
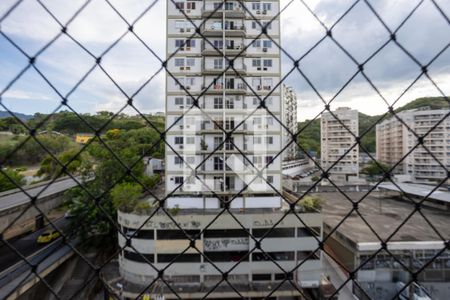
338, 151
397, 136
289, 102
221, 153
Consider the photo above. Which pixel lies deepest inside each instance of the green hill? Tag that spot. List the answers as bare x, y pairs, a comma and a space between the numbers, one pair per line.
309, 138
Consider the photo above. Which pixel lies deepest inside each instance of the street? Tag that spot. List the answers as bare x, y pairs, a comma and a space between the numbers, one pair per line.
26, 245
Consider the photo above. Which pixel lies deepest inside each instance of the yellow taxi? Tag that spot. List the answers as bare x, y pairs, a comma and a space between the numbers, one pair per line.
48, 236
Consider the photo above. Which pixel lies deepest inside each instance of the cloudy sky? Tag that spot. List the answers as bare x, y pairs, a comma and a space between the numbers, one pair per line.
131, 64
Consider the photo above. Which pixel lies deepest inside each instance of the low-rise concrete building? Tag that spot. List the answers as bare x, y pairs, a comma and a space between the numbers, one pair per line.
224, 244
416, 245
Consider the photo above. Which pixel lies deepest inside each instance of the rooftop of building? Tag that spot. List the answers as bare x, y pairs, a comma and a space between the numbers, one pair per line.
384, 214
419, 190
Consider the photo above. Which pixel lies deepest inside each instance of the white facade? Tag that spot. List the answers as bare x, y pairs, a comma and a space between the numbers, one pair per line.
395, 140
338, 131
201, 162
289, 100
222, 151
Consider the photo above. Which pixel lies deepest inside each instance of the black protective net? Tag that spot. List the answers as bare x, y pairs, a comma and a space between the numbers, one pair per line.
94, 187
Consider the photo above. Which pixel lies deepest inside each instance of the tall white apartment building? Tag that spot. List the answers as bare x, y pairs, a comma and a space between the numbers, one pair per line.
219, 145
394, 140
289, 102
336, 140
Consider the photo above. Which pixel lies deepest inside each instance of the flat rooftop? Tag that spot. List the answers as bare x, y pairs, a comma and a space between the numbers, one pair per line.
418, 190
384, 215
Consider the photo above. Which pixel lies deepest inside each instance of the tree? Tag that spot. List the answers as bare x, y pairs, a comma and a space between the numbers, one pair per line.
125, 196
310, 203
375, 169
6, 183
76, 164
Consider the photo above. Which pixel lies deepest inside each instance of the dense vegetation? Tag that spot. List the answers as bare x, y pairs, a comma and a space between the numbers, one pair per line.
309, 138
54, 137
117, 181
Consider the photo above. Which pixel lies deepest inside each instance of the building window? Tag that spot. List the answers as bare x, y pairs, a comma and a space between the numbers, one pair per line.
267, 63
277, 256
138, 234
256, 63
256, 6
274, 233
190, 5
267, 44
179, 62
138, 257
218, 63
224, 233
229, 123
218, 163
261, 277
179, 140
269, 140
268, 25
257, 140
190, 140
218, 103
176, 258
270, 179
307, 232
256, 44
178, 180
178, 160
179, 101
267, 6
190, 62
176, 234
179, 5
229, 144
229, 103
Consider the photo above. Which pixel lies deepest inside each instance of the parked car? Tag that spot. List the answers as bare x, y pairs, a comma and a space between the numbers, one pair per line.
48, 236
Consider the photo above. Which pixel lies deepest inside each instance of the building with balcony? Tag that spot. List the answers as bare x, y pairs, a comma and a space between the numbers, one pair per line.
222, 170
289, 102
398, 137
338, 151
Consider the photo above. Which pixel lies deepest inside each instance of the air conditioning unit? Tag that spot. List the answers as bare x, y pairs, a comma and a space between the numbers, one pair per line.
181, 147
264, 49
264, 12
181, 68
258, 12
258, 69
265, 69
181, 107
187, 11
188, 30
188, 87
188, 68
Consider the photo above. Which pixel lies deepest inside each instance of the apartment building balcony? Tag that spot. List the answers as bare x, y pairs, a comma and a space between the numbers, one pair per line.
235, 31
209, 11
232, 50
242, 70
231, 89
